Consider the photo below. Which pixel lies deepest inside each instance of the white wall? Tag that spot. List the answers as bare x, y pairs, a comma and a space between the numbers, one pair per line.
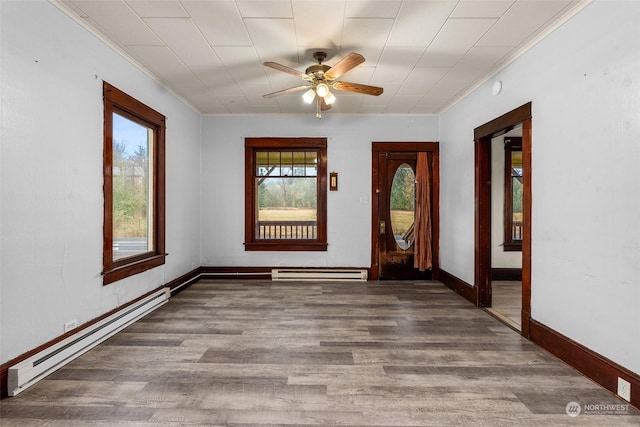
499, 257
51, 176
584, 84
349, 141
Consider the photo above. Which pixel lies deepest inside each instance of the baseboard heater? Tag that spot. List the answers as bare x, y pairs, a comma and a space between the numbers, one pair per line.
38, 366
319, 274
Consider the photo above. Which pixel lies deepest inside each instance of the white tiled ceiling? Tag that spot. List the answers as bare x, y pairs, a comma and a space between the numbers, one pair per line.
426, 54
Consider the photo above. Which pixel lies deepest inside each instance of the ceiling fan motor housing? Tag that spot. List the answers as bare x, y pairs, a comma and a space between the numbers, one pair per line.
317, 71
320, 56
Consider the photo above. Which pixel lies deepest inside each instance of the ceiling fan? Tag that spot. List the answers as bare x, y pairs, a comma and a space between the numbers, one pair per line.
323, 77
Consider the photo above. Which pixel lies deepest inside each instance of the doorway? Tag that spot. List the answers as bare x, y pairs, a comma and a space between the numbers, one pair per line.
483, 136
393, 210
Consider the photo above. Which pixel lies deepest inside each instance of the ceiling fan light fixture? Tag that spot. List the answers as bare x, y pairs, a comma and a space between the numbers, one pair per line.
320, 78
308, 96
329, 98
322, 90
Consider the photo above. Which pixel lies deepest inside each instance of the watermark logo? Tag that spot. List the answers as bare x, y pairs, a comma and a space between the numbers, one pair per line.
573, 409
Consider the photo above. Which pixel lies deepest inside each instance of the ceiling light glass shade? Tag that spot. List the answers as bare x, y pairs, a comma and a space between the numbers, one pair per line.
329, 98
308, 96
322, 89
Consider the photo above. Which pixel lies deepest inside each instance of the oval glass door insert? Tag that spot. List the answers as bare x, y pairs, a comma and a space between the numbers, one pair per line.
402, 205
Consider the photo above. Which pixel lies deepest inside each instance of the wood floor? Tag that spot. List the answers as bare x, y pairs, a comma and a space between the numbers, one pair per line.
303, 353
506, 302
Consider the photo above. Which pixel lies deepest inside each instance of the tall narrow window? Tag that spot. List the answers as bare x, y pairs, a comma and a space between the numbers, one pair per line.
513, 194
133, 186
285, 190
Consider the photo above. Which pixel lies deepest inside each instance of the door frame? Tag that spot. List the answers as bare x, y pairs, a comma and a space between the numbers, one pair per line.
406, 147
482, 136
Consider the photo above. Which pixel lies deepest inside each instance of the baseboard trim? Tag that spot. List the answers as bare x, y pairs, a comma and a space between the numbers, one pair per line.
511, 274
459, 286
183, 282
178, 283
255, 273
593, 365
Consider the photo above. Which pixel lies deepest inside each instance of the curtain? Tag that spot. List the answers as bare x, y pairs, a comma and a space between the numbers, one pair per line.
422, 251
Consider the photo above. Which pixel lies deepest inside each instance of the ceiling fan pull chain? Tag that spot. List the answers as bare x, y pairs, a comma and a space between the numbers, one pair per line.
318, 113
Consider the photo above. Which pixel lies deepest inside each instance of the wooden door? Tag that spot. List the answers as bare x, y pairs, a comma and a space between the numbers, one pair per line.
394, 184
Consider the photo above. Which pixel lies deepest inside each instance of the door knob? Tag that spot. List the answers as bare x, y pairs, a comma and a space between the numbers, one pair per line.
381, 227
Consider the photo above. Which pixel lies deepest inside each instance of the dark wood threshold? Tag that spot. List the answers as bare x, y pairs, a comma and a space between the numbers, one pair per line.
593, 365
510, 274
459, 286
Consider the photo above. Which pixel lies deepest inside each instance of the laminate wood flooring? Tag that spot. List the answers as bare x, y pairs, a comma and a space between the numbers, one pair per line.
506, 302
305, 353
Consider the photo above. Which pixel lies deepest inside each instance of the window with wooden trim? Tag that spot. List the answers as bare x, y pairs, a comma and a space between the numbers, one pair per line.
134, 186
513, 194
285, 194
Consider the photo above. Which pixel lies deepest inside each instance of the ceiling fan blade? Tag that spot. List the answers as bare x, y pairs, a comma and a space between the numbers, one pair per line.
286, 69
345, 64
324, 106
286, 91
359, 88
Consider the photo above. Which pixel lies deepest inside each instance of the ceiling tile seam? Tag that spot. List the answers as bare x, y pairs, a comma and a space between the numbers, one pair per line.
144, 23
246, 29
514, 54
211, 48
179, 59
507, 59
172, 18
425, 49
253, 42
186, 13
120, 51
484, 34
344, 20
513, 5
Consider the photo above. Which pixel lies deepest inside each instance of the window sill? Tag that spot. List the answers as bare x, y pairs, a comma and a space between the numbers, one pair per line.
285, 246
132, 268
513, 247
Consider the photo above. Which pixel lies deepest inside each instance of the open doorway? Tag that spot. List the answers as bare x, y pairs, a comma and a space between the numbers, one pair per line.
506, 227
486, 136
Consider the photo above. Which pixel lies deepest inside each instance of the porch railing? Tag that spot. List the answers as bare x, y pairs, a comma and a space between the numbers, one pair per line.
271, 230
516, 231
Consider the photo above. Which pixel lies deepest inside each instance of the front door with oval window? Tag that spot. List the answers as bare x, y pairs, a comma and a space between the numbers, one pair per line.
396, 213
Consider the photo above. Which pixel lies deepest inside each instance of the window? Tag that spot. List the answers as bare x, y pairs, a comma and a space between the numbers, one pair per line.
134, 162
286, 194
513, 194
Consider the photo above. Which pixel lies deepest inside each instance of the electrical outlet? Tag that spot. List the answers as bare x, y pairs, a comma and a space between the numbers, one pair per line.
624, 389
72, 324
